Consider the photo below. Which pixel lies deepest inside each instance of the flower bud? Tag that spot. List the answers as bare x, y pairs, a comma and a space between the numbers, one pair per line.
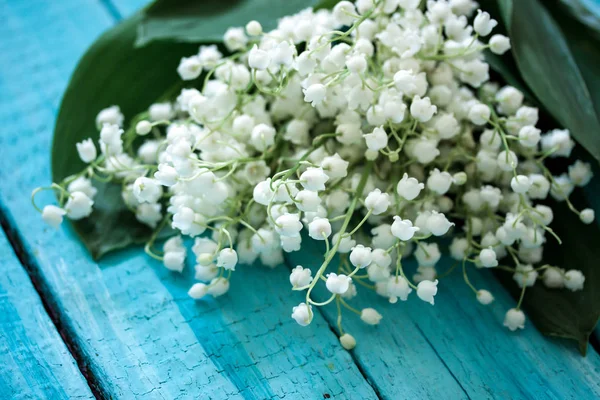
514, 319
348, 342
370, 316
426, 290
302, 314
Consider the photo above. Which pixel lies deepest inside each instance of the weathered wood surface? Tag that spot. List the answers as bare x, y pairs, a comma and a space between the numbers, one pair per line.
34, 361
139, 335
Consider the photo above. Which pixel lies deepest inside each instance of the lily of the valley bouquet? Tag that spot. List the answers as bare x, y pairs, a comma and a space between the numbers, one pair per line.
372, 128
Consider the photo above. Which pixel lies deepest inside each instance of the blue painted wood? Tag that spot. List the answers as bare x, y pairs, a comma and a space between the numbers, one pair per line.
140, 335
483, 359
130, 321
34, 361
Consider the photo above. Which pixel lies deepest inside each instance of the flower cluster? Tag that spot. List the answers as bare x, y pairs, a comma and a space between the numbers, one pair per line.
371, 128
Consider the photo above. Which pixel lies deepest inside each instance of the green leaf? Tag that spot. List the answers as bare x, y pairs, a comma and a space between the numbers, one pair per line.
585, 11
549, 68
111, 72
559, 312
585, 48
207, 21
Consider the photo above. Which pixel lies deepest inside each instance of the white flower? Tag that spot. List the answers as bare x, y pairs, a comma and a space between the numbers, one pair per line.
258, 59
514, 319
376, 140
479, 114
288, 225
315, 94
397, 287
403, 229
307, 200
529, 136
334, 166
166, 175
377, 202
347, 341
86, 150
110, 115
438, 224
356, 63
53, 215
198, 291
110, 138
235, 39
344, 12
554, 278
254, 28
314, 179
580, 173
405, 81
422, 109
409, 188
370, 316
143, 128
189, 68
290, 243
302, 314
540, 186
426, 290
574, 280
484, 297
174, 260
337, 284
458, 248
483, 23
147, 190
509, 100
84, 185
587, 216
439, 182
525, 275
78, 206
507, 161
446, 126
361, 256
488, 258
218, 287
319, 228
499, 44
346, 243
520, 184
160, 112
227, 259
427, 254
149, 214
262, 137
300, 277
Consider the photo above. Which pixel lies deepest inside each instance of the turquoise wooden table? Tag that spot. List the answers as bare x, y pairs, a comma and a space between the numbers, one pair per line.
125, 328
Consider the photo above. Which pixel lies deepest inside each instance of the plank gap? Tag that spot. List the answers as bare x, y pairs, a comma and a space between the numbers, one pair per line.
16, 243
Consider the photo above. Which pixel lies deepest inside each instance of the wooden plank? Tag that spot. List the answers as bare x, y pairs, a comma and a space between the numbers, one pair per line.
34, 361
130, 321
485, 360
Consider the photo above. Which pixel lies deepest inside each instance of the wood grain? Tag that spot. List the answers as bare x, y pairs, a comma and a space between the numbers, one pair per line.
34, 361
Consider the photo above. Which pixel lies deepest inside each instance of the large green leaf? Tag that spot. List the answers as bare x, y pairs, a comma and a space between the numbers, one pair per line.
111, 72
548, 66
585, 11
207, 21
